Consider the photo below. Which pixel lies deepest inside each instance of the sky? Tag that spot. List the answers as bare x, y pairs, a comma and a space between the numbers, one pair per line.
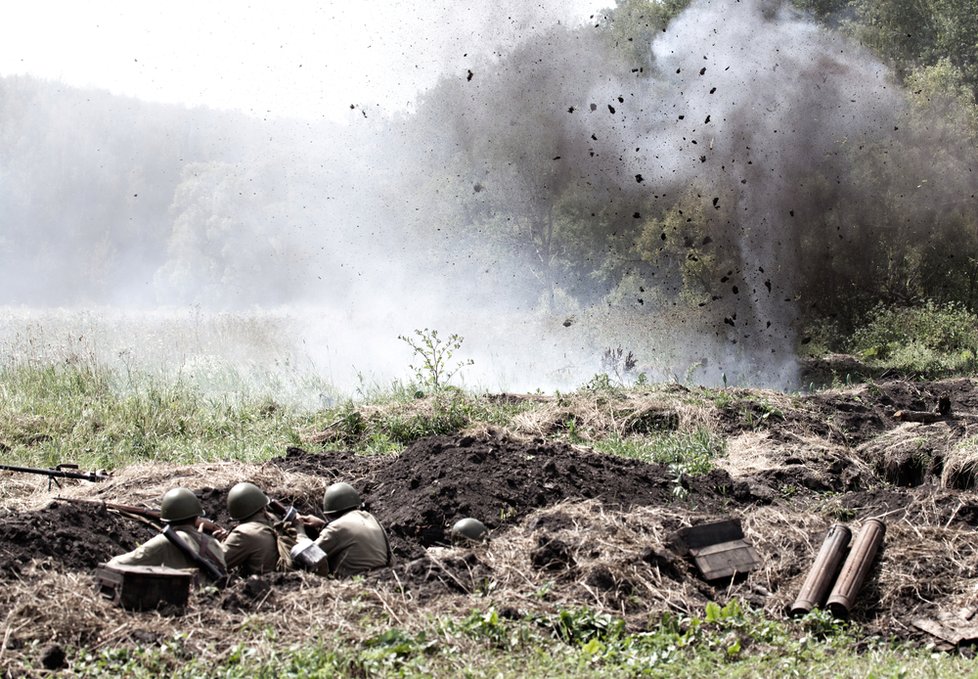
295, 59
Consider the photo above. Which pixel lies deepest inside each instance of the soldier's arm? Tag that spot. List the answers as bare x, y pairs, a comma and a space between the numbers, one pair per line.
235, 550
149, 553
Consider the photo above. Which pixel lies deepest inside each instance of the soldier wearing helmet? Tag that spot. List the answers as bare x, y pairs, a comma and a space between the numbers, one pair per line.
252, 547
353, 540
180, 545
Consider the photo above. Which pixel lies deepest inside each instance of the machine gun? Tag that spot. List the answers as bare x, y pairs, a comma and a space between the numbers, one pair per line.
62, 471
205, 525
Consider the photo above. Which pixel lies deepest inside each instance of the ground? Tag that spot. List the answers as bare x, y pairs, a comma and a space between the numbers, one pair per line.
570, 526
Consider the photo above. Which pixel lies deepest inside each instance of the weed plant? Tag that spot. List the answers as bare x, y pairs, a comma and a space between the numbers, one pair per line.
691, 452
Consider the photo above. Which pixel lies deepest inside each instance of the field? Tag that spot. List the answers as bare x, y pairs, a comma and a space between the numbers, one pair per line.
583, 491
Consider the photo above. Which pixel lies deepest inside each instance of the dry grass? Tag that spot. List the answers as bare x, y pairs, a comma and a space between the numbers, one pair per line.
617, 415
926, 564
144, 484
961, 464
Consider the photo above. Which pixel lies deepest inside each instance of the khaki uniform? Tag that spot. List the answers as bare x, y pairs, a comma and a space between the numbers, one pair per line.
354, 543
252, 547
158, 551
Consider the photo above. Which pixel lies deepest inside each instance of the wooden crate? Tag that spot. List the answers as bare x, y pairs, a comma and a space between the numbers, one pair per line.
141, 588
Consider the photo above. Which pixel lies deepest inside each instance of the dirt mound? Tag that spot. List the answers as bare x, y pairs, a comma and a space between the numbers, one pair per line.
499, 480
69, 536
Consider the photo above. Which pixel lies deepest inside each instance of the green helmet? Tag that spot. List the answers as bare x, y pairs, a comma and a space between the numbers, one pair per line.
469, 529
340, 497
180, 504
244, 500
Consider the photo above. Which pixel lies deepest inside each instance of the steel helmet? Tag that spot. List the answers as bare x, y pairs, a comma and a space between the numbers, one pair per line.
469, 529
340, 497
180, 504
244, 500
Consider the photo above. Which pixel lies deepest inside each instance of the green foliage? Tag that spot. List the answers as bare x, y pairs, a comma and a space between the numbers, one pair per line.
688, 245
921, 33
631, 25
433, 366
932, 340
690, 453
90, 415
724, 640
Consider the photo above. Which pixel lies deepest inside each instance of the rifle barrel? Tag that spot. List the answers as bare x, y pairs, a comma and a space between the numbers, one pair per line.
58, 473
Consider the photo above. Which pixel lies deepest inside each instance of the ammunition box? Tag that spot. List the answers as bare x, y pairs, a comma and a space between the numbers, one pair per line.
142, 588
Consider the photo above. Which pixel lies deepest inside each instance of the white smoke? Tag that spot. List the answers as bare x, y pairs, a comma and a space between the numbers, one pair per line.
330, 226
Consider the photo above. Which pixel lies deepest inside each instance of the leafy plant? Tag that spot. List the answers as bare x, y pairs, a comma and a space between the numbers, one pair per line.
930, 340
433, 355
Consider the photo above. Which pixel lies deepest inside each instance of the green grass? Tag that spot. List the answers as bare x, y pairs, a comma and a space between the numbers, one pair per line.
692, 452
99, 418
74, 413
729, 641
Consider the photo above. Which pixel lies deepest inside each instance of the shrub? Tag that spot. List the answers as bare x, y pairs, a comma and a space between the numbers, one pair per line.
929, 340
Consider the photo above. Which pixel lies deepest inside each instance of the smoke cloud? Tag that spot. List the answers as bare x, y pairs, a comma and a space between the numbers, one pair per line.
476, 212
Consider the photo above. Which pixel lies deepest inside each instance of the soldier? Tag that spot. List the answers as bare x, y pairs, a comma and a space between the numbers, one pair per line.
252, 547
352, 539
180, 545
469, 531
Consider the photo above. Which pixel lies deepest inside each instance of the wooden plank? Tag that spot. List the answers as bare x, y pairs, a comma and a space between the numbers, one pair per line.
726, 559
697, 537
952, 630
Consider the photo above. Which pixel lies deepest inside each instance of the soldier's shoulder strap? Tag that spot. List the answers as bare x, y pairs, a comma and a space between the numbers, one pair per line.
215, 571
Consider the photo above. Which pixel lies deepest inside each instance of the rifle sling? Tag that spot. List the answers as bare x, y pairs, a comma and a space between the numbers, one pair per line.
213, 572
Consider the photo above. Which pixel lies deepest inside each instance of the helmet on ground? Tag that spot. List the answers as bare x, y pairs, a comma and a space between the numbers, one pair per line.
469, 529
244, 500
180, 504
340, 497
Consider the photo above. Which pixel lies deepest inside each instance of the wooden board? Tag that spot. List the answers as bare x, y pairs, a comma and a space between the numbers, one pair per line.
951, 629
705, 534
726, 559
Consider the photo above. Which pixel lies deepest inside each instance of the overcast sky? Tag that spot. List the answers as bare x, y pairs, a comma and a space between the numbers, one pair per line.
296, 58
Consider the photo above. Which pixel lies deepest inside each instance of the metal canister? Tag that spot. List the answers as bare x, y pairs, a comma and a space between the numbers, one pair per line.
308, 556
822, 574
856, 567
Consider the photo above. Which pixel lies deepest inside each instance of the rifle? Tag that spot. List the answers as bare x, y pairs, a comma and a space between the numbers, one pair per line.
205, 525
288, 514
61, 472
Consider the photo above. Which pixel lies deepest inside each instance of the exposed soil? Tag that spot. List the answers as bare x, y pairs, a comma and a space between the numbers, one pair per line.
837, 456
66, 536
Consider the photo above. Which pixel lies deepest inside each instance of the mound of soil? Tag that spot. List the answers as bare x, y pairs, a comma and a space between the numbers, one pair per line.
70, 536
419, 494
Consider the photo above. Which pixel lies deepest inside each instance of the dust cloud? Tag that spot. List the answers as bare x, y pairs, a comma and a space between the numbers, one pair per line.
201, 241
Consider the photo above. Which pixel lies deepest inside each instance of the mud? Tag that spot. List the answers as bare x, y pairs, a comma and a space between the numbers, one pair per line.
500, 481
